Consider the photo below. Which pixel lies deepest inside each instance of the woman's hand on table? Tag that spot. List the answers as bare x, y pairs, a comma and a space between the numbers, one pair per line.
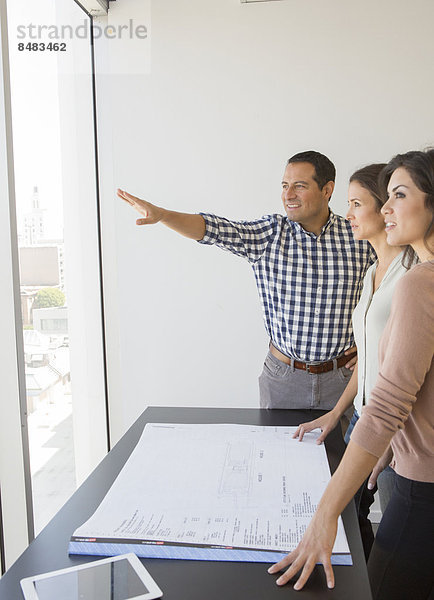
315, 547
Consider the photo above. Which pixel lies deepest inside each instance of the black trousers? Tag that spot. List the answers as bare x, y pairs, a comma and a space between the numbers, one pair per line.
401, 562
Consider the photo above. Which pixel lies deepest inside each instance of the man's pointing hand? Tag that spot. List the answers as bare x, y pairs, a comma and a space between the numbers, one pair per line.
151, 213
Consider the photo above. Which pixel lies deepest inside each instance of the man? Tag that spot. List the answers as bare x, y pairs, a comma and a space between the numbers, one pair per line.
309, 271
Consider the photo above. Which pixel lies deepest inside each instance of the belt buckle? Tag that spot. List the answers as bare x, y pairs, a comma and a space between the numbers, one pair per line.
308, 367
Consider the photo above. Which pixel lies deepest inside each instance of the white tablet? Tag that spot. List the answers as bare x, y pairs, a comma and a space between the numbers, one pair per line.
115, 578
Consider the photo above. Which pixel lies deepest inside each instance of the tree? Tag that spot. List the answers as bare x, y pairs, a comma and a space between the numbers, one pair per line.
49, 297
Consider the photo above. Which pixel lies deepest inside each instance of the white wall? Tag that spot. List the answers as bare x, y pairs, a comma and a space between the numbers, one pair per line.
234, 90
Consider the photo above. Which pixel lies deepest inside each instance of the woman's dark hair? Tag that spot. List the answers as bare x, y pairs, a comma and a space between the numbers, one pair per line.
367, 177
420, 167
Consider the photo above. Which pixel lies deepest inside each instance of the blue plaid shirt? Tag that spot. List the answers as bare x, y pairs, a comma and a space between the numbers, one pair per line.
308, 284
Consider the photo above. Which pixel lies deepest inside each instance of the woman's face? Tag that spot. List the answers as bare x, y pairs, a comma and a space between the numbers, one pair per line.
366, 221
405, 214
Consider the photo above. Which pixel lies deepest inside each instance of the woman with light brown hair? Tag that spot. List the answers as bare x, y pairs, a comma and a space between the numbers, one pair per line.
369, 319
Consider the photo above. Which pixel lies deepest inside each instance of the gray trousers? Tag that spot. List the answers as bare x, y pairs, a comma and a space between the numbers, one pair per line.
386, 482
284, 386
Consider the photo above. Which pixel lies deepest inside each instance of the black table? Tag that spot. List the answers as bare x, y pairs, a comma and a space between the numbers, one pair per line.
181, 579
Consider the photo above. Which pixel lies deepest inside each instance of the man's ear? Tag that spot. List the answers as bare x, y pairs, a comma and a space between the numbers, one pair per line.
328, 189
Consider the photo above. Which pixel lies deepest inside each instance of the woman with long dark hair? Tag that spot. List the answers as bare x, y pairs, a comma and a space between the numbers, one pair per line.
400, 412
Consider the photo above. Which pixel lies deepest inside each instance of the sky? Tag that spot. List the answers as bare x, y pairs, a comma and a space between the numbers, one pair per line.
35, 117
35, 91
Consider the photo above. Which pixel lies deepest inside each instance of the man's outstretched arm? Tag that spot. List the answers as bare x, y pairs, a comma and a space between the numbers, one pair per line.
188, 225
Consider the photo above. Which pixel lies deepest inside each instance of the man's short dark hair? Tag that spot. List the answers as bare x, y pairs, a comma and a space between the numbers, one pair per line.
324, 168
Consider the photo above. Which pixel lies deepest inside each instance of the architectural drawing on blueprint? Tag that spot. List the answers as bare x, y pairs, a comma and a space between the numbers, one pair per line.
237, 469
238, 486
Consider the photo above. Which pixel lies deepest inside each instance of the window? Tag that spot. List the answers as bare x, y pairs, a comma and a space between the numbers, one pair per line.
61, 304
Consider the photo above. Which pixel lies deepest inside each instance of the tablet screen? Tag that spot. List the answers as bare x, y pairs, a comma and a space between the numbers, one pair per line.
110, 581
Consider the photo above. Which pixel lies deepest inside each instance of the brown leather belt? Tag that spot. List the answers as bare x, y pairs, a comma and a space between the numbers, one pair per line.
309, 367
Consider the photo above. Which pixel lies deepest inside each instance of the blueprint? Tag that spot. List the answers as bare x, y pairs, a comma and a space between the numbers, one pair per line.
231, 487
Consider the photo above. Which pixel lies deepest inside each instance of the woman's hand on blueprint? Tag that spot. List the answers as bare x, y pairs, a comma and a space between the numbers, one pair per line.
326, 423
317, 543
315, 547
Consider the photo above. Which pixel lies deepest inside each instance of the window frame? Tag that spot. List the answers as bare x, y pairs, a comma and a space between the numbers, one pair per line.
16, 504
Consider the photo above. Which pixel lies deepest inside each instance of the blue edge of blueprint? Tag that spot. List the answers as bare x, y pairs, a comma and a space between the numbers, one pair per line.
188, 553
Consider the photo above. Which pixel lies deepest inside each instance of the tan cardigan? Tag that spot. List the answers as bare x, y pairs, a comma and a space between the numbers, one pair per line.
401, 405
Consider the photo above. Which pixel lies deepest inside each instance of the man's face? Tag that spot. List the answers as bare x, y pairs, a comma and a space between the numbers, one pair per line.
302, 198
